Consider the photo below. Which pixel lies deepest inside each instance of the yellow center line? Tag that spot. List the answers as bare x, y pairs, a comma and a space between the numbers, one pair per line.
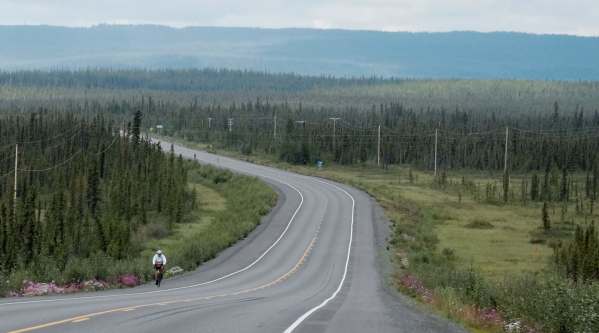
81, 318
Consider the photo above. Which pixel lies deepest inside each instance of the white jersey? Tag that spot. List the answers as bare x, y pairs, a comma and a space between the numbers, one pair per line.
159, 259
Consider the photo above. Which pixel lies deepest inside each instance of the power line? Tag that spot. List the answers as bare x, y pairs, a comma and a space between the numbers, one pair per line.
109, 146
58, 144
12, 171
69, 132
64, 162
550, 131
70, 158
11, 145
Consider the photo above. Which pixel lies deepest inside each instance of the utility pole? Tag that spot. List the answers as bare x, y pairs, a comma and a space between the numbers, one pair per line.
16, 174
230, 124
274, 131
303, 122
209, 122
378, 149
507, 133
334, 127
436, 143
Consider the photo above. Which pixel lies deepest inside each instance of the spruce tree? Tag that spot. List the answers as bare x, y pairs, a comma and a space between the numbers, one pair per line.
564, 191
93, 190
534, 187
545, 217
136, 129
506, 186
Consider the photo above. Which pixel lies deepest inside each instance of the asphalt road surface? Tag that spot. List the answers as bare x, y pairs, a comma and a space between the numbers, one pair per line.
315, 264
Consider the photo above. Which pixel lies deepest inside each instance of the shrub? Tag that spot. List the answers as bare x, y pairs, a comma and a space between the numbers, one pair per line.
156, 230
15, 279
46, 269
78, 270
579, 258
480, 224
556, 304
448, 253
545, 217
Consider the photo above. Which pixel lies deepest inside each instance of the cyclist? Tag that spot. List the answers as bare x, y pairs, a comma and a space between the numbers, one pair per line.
159, 261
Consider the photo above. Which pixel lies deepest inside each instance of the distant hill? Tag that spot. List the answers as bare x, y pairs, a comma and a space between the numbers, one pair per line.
304, 51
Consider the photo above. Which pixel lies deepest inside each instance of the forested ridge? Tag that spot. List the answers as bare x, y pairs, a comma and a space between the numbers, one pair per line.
212, 87
305, 51
191, 80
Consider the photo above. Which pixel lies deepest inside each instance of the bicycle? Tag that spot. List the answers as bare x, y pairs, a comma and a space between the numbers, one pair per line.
159, 274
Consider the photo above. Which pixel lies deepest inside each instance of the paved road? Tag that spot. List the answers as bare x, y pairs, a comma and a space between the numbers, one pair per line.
313, 265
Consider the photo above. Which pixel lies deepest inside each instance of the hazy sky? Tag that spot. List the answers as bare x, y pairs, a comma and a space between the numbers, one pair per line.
579, 17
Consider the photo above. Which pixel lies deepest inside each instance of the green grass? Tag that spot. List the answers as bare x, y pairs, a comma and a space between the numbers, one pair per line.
209, 203
505, 248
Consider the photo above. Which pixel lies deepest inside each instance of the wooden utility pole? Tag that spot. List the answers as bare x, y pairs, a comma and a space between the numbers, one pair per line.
378, 150
334, 130
507, 133
16, 176
436, 144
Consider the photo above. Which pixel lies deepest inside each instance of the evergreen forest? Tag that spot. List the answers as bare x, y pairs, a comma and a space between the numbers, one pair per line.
81, 188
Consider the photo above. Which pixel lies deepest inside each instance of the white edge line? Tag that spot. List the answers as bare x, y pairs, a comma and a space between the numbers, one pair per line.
303, 317
189, 286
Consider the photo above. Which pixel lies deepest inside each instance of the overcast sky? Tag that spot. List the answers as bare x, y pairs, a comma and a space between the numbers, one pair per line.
576, 17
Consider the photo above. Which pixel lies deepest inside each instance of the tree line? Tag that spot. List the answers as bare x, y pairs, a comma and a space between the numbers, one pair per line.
465, 139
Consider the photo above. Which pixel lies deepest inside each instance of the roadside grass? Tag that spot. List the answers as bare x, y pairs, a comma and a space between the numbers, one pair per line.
477, 261
515, 242
494, 239
228, 208
209, 202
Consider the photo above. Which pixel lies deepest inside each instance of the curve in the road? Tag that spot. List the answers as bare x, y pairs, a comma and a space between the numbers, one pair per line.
308, 313
312, 266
